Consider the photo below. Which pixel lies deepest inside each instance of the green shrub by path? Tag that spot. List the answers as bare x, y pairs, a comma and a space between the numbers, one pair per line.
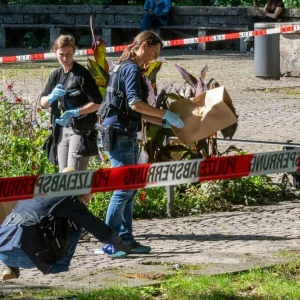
205, 197
23, 130
20, 156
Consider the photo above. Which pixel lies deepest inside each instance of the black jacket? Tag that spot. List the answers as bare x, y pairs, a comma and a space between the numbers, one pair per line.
43, 228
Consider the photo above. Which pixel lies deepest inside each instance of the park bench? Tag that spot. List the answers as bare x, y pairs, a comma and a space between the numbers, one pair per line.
4, 33
54, 30
114, 34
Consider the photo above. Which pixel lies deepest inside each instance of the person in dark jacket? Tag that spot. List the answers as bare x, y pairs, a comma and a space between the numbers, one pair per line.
44, 233
72, 91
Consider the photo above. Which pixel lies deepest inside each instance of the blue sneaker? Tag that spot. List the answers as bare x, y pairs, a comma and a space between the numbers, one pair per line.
137, 248
110, 250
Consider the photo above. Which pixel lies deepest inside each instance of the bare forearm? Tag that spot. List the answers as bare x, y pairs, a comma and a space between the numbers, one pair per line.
148, 110
276, 13
88, 108
153, 120
44, 102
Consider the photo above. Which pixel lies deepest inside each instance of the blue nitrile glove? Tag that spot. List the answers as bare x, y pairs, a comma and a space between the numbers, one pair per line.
67, 116
165, 124
173, 119
58, 91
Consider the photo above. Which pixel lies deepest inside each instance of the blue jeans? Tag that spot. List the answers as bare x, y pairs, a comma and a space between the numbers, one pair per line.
17, 257
120, 210
149, 21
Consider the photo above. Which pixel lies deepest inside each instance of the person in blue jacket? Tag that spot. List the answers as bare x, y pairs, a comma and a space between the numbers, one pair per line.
156, 13
124, 108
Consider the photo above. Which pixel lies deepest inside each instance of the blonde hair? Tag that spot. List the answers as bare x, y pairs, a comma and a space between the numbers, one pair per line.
64, 40
148, 36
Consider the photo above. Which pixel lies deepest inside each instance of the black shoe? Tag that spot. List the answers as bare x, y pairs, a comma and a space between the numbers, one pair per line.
137, 248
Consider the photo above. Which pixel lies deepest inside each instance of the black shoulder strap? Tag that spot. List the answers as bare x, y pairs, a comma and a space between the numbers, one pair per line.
106, 105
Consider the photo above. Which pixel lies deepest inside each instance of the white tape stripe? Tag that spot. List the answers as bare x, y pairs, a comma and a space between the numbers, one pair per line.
151, 175
109, 49
219, 37
191, 41
172, 173
49, 55
274, 162
64, 184
168, 43
273, 30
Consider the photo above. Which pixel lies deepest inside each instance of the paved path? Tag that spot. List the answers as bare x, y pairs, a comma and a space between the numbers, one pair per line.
219, 242
211, 243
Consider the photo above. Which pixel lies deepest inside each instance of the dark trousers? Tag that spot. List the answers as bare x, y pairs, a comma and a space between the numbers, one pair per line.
149, 21
259, 19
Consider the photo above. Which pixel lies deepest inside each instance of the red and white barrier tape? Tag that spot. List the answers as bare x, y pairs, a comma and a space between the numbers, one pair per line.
148, 175
171, 43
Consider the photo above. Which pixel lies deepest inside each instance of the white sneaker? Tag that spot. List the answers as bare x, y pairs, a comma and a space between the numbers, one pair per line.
251, 50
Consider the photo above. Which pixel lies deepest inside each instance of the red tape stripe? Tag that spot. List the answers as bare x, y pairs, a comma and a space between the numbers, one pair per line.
149, 175
231, 36
259, 32
219, 168
203, 39
16, 188
9, 59
38, 56
121, 178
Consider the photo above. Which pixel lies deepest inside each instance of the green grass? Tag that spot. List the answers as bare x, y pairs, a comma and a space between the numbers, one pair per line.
292, 91
277, 282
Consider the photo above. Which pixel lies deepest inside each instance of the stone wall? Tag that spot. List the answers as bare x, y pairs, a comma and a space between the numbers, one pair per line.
289, 53
113, 15
50, 20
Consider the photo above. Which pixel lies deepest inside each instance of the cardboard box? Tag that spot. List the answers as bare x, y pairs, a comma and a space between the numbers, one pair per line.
204, 115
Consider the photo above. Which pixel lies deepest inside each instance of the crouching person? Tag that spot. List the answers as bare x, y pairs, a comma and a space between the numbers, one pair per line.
44, 233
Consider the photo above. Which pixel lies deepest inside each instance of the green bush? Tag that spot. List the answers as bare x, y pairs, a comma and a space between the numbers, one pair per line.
205, 197
23, 130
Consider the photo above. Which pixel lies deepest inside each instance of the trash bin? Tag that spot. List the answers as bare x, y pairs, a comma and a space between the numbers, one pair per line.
266, 53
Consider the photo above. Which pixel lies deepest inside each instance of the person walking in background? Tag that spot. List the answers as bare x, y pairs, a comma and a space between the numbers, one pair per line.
73, 93
124, 107
156, 13
269, 14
